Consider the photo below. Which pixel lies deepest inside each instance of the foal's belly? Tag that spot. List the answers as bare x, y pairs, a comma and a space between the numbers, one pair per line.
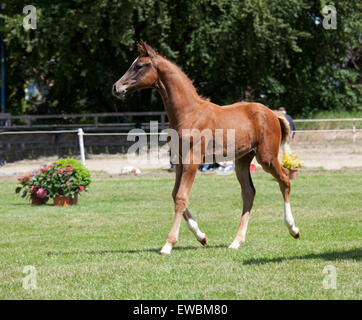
228, 147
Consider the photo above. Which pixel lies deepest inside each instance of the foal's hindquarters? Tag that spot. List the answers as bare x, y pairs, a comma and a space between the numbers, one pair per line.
261, 136
266, 152
242, 169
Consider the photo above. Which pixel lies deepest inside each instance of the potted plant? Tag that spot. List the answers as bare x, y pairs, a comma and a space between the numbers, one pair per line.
35, 186
68, 178
62, 181
292, 163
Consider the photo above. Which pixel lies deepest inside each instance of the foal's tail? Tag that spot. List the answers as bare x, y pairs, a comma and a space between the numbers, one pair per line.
284, 125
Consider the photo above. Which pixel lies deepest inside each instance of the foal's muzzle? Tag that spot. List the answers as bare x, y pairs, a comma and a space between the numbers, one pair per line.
119, 93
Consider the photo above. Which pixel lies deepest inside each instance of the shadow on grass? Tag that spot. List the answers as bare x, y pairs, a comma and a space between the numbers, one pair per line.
50, 253
29, 204
355, 254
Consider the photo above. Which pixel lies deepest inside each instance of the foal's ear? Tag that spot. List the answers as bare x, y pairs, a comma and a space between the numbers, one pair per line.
151, 52
141, 49
145, 50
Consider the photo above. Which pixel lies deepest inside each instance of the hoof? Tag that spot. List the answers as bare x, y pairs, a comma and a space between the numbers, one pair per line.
297, 235
294, 232
166, 250
235, 245
203, 241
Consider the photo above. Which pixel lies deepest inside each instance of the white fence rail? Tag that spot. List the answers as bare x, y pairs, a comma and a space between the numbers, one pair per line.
81, 133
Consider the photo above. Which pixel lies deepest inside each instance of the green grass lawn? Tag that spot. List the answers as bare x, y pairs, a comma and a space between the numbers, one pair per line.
108, 246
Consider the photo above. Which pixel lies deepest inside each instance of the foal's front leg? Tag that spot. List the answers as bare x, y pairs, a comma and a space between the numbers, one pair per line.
181, 199
191, 222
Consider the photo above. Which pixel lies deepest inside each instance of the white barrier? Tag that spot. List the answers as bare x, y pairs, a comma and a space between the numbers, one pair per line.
81, 145
81, 133
27, 132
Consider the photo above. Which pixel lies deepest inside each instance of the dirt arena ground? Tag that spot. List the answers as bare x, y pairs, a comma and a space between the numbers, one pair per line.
318, 151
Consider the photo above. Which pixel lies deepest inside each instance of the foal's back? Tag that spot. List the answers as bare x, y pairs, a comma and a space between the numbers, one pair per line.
250, 116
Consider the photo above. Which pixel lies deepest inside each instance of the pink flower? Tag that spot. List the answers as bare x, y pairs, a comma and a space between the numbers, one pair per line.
41, 193
60, 171
68, 169
44, 169
19, 178
67, 183
81, 188
33, 189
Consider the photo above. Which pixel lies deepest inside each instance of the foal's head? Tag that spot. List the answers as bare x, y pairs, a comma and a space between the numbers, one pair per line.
142, 74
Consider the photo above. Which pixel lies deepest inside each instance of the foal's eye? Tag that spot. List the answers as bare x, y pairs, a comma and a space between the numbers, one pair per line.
139, 66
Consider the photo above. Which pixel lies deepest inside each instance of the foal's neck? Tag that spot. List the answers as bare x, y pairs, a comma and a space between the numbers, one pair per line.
178, 94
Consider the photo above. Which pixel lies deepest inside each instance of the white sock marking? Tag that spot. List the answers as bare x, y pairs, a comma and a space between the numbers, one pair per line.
289, 219
194, 228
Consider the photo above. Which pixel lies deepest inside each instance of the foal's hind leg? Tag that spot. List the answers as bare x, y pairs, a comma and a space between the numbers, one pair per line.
191, 222
279, 173
194, 227
242, 169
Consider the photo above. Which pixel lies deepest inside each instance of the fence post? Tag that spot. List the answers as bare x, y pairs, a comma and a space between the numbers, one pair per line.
163, 122
81, 145
354, 130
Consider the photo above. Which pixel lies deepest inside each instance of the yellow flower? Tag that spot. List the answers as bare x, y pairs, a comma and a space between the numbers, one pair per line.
291, 161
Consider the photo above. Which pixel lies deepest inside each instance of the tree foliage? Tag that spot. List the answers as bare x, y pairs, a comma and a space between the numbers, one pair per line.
278, 48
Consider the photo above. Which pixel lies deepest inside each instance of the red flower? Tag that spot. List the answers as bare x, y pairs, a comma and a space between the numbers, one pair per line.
33, 189
68, 169
19, 178
25, 179
44, 169
252, 167
81, 188
67, 183
41, 193
60, 171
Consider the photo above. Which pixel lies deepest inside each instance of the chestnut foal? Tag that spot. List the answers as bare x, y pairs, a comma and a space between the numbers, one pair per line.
258, 132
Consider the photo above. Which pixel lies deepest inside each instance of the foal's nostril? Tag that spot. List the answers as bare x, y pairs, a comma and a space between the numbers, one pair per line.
119, 92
